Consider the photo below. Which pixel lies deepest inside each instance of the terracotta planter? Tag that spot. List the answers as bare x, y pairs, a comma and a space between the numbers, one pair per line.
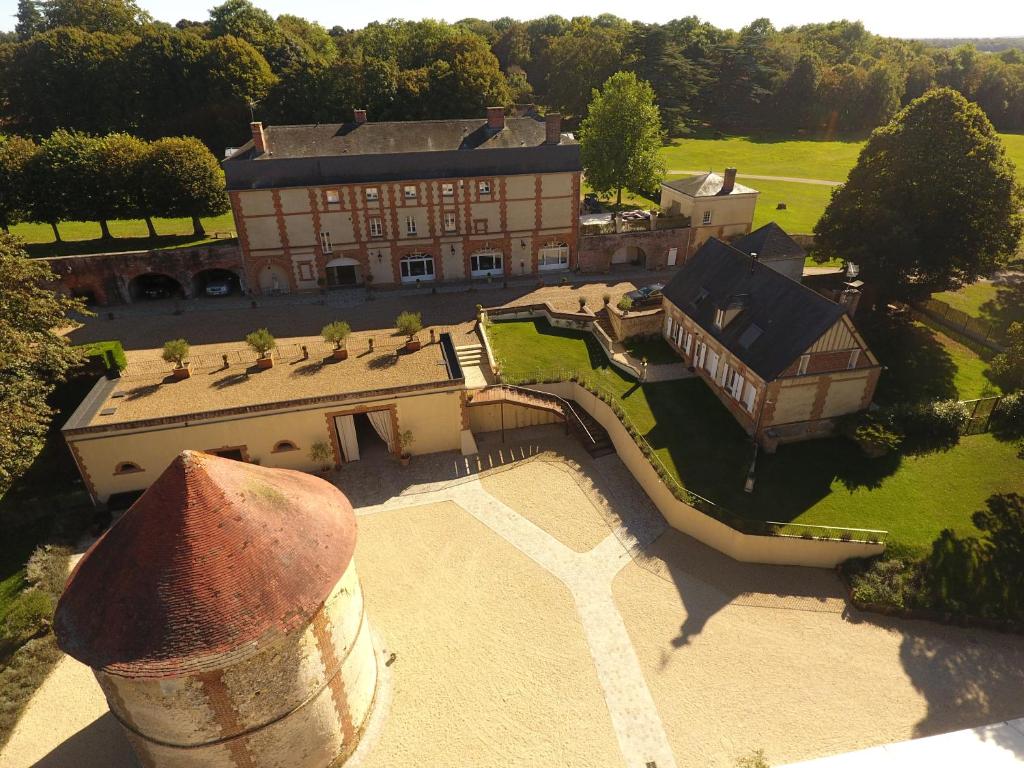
183, 372
340, 354
404, 459
264, 362
412, 345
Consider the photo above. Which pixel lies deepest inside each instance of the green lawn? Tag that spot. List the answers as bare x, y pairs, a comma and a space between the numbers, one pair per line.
803, 158
824, 482
129, 235
998, 304
805, 203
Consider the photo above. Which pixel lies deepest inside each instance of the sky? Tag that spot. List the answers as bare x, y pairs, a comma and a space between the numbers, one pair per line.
897, 18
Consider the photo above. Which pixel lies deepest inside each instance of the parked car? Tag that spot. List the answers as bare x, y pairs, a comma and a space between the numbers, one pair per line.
649, 294
219, 287
157, 291
591, 204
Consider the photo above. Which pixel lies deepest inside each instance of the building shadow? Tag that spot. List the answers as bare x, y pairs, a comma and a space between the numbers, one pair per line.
101, 744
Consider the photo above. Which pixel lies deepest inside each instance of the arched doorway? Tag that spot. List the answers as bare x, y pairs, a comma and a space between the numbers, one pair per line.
273, 279
151, 286
216, 282
341, 272
629, 254
416, 267
552, 257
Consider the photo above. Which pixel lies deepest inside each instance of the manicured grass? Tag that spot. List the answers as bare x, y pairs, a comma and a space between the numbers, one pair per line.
823, 482
100, 348
923, 363
655, 350
783, 156
129, 234
805, 203
997, 303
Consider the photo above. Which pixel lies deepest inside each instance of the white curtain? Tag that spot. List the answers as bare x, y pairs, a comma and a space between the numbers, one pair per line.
381, 421
346, 426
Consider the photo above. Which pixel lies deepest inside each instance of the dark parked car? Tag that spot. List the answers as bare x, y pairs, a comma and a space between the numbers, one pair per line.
156, 292
218, 287
649, 294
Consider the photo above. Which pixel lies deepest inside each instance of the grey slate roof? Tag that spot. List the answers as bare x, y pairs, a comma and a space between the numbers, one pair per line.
339, 153
770, 242
790, 316
706, 185
332, 139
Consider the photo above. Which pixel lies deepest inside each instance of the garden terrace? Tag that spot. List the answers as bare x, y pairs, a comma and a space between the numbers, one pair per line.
825, 482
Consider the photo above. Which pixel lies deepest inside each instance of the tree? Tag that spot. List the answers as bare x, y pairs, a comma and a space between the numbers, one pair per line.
261, 341
54, 177
932, 203
114, 16
409, 323
795, 101
335, 333
579, 61
1008, 366
30, 19
621, 136
184, 179
33, 359
15, 154
176, 351
112, 180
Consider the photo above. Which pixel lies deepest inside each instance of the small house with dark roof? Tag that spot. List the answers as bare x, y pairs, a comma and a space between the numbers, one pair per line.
414, 202
774, 248
785, 361
716, 205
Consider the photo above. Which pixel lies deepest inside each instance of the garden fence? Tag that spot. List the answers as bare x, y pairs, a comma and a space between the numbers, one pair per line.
981, 411
957, 320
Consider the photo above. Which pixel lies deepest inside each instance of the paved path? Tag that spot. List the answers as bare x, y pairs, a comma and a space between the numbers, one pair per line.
794, 179
588, 576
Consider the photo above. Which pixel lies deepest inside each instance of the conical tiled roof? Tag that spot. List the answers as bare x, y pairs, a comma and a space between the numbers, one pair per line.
215, 556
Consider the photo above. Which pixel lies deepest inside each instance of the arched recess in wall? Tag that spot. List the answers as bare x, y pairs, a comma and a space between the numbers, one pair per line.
343, 271
273, 278
416, 266
127, 468
487, 262
283, 446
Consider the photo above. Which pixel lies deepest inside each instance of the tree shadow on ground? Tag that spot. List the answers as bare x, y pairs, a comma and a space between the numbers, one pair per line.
918, 368
969, 677
1008, 305
118, 245
101, 744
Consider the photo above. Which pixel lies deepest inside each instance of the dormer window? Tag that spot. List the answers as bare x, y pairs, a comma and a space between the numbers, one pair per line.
719, 318
485, 187
371, 194
410, 192
333, 198
447, 190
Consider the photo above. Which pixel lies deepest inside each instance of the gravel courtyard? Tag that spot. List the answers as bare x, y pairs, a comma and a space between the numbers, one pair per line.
540, 613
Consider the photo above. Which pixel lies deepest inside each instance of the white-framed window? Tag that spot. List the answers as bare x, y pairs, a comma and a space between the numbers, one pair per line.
485, 263
700, 354
484, 187
372, 194
749, 396
707, 217
734, 385
333, 197
711, 363
719, 318
410, 225
854, 358
685, 340
802, 368
670, 327
553, 256
410, 192
376, 227
447, 190
325, 242
417, 266
449, 222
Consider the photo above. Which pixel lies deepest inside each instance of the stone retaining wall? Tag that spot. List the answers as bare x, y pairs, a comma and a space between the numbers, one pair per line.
595, 251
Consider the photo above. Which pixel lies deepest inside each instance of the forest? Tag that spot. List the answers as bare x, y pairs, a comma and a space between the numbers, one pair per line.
103, 66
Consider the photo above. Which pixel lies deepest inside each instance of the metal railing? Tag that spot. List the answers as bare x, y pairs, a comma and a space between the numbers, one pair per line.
566, 405
747, 525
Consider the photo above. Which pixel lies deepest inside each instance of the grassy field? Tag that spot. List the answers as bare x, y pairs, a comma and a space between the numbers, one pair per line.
825, 482
129, 234
997, 303
804, 205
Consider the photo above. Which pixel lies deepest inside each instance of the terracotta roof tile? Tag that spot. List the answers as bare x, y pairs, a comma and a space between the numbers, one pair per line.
215, 555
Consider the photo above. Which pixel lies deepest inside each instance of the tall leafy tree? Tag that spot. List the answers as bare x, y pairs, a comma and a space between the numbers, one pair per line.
114, 16
184, 180
580, 60
932, 203
30, 19
55, 177
112, 179
621, 136
15, 154
33, 358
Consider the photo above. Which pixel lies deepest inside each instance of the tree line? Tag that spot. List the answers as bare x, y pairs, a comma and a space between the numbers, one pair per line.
105, 66
75, 176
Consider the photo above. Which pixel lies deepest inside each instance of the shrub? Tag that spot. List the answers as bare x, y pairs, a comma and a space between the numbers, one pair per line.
261, 341
1009, 417
932, 426
30, 614
320, 454
606, 298
874, 433
98, 349
335, 333
755, 759
409, 323
1008, 367
583, 302
176, 351
886, 582
405, 441
625, 304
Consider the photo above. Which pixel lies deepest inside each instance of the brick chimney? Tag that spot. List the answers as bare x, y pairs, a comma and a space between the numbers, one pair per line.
259, 139
360, 116
553, 128
495, 118
729, 182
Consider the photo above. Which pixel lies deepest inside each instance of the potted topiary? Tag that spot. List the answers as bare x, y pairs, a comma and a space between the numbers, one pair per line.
262, 342
320, 454
625, 304
410, 323
176, 351
335, 333
583, 303
607, 299
405, 441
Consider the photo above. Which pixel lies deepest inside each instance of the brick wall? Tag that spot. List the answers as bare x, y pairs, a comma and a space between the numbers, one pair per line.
637, 323
596, 251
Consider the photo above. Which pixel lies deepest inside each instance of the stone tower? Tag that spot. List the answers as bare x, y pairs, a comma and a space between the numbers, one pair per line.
223, 618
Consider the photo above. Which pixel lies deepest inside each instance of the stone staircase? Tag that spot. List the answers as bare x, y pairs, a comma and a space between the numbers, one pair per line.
470, 355
601, 316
